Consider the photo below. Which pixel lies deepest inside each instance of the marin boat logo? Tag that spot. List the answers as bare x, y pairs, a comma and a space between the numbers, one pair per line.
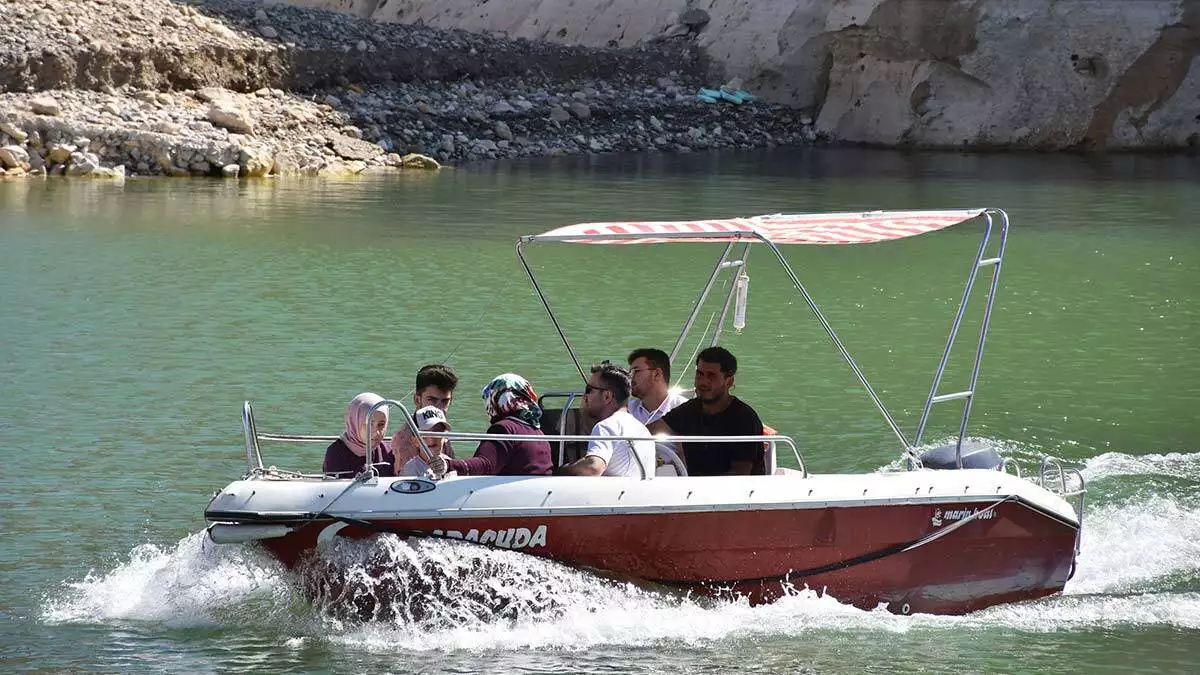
940, 516
513, 537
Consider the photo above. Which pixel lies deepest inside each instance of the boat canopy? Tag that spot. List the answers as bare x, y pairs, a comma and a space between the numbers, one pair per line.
805, 228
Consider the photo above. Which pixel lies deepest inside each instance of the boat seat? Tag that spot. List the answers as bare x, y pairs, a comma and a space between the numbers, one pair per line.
574, 423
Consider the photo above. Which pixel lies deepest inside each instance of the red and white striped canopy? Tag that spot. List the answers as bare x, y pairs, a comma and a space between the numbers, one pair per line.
807, 228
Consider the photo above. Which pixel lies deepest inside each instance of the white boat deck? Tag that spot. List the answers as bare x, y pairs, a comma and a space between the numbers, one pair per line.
562, 495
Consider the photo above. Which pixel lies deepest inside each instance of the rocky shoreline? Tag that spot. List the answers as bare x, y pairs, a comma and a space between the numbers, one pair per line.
111, 88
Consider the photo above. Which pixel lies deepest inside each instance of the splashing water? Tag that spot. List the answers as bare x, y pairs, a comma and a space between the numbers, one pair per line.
1113, 464
196, 583
427, 584
1140, 565
1146, 541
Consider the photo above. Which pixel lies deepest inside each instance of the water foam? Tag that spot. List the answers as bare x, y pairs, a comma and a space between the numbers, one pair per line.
194, 583
1073, 612
642, 622
1140, 544
1117, 464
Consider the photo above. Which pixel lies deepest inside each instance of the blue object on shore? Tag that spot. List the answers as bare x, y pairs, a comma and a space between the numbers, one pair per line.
735, 97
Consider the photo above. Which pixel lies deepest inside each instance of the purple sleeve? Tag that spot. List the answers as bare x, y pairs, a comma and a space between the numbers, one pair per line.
488, 458
339, 459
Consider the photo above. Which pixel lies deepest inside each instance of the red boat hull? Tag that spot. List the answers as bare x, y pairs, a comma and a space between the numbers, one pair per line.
854, 553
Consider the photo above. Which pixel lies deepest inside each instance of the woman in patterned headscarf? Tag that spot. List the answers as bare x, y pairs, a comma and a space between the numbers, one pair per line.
510, 395
512, 409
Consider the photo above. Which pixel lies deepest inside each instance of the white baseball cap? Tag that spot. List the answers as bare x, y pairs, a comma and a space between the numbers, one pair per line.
429, 417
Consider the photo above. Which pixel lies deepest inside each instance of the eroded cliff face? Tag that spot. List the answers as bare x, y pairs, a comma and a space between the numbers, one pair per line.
1046, 74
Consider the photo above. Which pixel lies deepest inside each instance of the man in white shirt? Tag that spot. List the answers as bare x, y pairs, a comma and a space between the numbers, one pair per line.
650, 377
605, 399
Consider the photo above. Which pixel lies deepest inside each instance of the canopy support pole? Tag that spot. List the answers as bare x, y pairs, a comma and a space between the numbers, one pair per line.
837, 342
546, 303
729, 296
691, 320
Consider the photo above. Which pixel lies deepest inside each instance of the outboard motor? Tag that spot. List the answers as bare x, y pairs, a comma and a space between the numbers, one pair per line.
975, 455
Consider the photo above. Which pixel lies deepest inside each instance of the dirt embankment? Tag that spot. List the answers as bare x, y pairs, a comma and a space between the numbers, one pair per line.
225, 87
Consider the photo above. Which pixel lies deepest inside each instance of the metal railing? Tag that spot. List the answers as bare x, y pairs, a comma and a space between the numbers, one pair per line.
253, 453
723, 263
410, 422
1006, 464
254, 462
252, 438
662, 438
1050, 465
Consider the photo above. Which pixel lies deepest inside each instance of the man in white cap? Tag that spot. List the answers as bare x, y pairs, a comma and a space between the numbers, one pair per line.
429, 418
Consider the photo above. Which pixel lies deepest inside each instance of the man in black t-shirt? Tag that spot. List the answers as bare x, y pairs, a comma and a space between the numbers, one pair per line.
714, 412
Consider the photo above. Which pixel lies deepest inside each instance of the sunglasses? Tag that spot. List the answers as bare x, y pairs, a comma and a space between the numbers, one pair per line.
587, 389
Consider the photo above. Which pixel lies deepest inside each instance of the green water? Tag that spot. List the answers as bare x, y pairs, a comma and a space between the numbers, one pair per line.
138, 317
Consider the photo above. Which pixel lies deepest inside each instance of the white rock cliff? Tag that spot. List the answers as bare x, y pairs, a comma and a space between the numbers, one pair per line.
1044, 74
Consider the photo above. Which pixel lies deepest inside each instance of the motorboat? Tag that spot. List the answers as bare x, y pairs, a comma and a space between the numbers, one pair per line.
948, 529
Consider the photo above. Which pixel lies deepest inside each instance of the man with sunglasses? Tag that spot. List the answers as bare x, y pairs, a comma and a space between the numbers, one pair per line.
605, 399
650, 374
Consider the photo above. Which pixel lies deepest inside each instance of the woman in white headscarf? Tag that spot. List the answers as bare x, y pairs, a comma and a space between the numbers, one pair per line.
347, 455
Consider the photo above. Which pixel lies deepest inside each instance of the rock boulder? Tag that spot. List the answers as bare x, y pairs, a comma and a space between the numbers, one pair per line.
228, 116
45, 105
13, 156
351, 148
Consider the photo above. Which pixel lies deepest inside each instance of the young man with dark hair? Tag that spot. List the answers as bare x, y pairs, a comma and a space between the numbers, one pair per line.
434, 387
650, 372
605, 398
716, 412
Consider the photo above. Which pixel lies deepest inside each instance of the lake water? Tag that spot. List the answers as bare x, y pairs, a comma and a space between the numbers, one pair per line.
136, 318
